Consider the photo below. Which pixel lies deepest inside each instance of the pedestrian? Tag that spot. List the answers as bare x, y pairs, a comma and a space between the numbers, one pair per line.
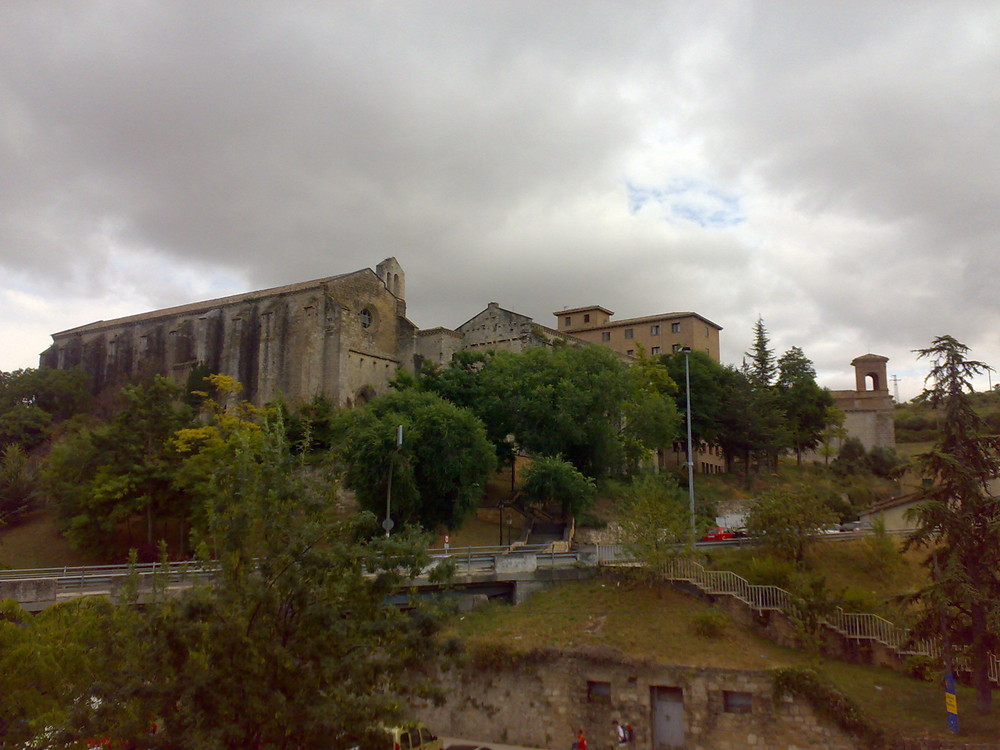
629, 734
620, 738
581, 741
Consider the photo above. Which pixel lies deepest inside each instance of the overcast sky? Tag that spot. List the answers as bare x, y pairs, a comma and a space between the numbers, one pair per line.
831, 167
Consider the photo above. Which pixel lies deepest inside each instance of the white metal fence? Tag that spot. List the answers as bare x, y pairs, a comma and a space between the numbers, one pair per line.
859, 626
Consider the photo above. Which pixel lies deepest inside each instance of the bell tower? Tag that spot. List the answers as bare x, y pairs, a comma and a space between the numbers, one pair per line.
393, 277
869, 373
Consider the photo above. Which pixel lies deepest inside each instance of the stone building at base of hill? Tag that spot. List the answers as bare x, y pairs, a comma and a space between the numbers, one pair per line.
542, 699
341, 337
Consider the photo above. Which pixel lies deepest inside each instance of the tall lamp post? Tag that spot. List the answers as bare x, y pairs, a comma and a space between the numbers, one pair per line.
387, 524
690, 453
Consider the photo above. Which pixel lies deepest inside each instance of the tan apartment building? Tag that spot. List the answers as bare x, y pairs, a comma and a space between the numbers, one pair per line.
656, 334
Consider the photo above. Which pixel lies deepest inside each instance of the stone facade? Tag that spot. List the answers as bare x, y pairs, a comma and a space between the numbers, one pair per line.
868, 409
341, 337
542, 701
493, 328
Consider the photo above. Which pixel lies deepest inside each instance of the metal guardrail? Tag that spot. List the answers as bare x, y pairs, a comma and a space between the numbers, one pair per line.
100, 578
858, 626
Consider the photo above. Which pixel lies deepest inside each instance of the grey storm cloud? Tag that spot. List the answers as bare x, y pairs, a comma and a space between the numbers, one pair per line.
830, 167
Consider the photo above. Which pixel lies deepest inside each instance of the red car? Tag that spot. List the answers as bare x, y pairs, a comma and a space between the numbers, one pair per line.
718, 534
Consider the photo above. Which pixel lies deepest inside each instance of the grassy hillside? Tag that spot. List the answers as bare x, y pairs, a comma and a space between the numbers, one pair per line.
657, 622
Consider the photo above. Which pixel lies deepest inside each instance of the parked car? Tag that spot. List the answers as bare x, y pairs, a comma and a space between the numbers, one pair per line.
415, 737
718, 534
856, 526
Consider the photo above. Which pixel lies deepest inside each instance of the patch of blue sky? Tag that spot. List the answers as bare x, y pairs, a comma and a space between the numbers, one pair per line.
691, 200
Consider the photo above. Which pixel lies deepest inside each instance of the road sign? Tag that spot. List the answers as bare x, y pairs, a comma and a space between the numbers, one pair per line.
951, 702
387, 524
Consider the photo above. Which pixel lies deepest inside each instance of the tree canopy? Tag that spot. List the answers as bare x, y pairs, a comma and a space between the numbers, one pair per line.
291, 645
584, 403
438, 473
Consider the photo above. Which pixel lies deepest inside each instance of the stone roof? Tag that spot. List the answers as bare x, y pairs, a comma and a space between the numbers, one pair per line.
207, 305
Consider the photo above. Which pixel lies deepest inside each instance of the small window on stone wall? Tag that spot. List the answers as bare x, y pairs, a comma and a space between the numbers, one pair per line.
737, 702
366, 318
598, 692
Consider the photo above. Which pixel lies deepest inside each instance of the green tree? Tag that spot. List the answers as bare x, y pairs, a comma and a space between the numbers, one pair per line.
18, 483
708, 381
751, 423
959, 516
760, 369
293, 644
25, 425
655, 521
786, 520
583, 403
550, 479
438, 474
59, 393
804, 404
833, 430
47, 661
106, 474
650, 417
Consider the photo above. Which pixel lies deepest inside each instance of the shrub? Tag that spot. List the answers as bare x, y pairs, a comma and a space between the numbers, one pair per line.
771, 571
712, 623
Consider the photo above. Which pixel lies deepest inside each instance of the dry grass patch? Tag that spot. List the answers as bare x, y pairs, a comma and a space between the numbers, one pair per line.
36, 543
640, 620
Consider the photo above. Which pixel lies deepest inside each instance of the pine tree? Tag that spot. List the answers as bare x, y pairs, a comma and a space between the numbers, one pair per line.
760, 369
959, 518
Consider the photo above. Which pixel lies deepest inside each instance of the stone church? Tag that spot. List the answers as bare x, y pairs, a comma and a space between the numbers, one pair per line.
342, 337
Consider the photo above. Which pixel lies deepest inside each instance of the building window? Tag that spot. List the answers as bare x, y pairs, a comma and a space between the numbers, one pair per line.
737, 702
628, 333
675, 348
586, 317
631, 352
706, 332
675, 327
606, 336
567, 320
598, 692
654, 330
654, 351
366, 318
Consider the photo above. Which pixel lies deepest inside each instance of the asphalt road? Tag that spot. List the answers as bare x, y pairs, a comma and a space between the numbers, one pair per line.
451, 743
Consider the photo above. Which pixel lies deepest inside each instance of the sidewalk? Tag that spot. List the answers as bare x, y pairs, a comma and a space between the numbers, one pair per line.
449, 741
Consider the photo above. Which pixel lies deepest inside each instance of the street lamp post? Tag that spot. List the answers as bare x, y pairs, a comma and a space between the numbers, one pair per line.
387, 524
690, 453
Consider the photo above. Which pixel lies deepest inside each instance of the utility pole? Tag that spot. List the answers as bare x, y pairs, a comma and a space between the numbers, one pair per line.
895, 386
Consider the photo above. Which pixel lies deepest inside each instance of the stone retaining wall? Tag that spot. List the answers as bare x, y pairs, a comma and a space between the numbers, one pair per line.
542, 699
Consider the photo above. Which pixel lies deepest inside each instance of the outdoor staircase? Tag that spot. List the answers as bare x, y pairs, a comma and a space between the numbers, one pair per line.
859, 627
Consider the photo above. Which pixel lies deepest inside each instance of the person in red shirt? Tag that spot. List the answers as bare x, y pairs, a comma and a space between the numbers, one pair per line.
581, 741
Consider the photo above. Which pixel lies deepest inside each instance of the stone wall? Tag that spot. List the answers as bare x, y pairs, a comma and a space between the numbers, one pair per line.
542, 699
342, 337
